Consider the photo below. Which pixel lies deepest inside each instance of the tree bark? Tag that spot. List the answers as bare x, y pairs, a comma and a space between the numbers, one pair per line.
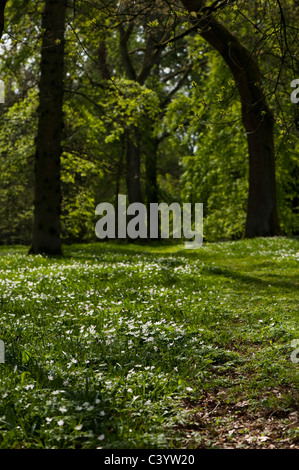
151, 185
2, 8
46, 227
133, 157
258, 121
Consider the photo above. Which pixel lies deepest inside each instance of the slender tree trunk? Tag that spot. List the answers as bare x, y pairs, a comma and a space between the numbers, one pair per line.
133, 158
151, 184
262, 219
46, 229
119, 173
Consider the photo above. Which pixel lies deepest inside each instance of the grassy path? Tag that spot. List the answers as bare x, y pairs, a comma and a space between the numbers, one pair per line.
142, 347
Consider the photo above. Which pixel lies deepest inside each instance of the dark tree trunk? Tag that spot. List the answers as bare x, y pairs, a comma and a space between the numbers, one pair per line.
2, 8
133, 166
46, 229
151, 184
262, 219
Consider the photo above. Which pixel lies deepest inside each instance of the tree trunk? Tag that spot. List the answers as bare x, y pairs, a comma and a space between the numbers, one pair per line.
46, 229
2, 8
151, 184
133, 167
262, 219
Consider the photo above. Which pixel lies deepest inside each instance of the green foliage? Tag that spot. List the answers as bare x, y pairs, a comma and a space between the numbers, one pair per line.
128, 104
287, 165
215, 172
17, 130
78, 206
202, 151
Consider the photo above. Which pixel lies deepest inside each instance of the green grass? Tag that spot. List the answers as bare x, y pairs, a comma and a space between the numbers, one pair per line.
125, 346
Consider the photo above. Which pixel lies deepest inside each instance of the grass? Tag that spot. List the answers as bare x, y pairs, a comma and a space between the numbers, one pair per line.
130, 346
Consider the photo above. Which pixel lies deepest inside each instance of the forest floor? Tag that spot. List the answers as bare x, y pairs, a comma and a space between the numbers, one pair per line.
130, 346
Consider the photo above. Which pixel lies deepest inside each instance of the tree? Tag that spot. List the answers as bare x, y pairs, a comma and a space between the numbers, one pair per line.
182, 111
46, 228
258, 121
145, 32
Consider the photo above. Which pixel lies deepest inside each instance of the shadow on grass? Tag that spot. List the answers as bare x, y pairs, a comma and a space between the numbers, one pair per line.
252, 280
166, 250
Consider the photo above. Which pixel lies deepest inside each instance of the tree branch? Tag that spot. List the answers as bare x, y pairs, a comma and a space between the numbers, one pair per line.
179, 85
124, 38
